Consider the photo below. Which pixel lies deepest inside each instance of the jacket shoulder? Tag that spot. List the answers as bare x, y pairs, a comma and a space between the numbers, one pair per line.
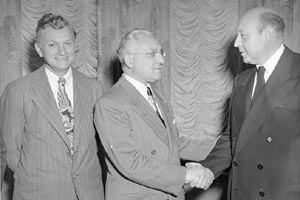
21, 83
117, 95
296, 65
87, 82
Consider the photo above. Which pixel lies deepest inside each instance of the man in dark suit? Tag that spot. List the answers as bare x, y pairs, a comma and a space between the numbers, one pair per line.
47, 123
138, 131
262, 143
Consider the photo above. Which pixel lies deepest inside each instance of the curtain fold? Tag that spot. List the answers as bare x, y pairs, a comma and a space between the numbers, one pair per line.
200, 82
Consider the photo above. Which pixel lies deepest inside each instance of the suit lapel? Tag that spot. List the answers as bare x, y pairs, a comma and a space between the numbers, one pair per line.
272, 95
243, 95
164, 108
143, 108
172, 136
81, 102
44, 100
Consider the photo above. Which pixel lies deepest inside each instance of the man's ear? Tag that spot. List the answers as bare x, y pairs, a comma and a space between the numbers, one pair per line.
128, 59
38, 49
268, 34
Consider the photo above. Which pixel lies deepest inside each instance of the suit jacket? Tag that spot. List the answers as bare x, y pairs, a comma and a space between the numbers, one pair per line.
2, 159
38, 149
263, 142
143, 156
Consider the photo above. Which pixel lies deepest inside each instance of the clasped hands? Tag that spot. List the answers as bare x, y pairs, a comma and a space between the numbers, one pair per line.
198, 176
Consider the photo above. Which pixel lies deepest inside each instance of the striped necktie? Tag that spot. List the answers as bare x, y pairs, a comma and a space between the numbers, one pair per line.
153, 103
66, 111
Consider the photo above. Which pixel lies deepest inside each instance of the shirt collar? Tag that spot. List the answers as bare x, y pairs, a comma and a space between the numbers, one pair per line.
271, 63
53, 78
138, 85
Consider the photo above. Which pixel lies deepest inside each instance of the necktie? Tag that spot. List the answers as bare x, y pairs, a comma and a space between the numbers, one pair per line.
260, 82
152, 101
66, 111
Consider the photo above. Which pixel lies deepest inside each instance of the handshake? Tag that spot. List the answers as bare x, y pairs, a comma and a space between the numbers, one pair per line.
198, 176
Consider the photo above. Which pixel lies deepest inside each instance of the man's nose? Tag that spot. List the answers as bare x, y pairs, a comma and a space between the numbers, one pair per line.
61, 50
237, 41
160, 58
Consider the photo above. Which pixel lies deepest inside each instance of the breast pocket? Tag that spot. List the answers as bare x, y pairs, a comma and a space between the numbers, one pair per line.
291, 101
286, 116
290, 106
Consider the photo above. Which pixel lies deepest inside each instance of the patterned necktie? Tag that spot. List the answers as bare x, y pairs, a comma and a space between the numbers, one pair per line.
260, 82
66, 111
152, 101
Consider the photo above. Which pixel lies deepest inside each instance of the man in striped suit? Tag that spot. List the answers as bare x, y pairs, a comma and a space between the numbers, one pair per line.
138, 130
47, 123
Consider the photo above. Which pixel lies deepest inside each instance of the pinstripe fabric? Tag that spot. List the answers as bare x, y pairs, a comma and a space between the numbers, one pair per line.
143, 151
38, 149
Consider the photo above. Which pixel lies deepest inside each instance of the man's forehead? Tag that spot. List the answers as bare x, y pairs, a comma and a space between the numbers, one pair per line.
146, 43
247, 22
59, 34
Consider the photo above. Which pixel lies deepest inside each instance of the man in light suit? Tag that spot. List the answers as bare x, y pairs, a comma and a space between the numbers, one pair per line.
262, 143
138, 131
47, 123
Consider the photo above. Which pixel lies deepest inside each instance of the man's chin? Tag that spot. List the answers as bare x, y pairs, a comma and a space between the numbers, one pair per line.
246, 60
156, 78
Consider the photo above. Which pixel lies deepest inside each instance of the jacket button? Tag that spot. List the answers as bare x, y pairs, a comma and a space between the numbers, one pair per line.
69, 154
269, 139
261, 193
75, 176
153, 152
260, 166
235, 163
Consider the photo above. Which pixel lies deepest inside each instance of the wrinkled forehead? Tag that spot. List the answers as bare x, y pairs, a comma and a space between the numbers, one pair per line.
248, 22
63, 34
146, 43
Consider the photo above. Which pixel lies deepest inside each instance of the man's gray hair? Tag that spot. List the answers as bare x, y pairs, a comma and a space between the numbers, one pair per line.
271, 19
127, 40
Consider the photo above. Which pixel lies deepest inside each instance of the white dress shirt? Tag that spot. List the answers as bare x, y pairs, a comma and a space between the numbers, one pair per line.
269, 65
142, 89
53, 80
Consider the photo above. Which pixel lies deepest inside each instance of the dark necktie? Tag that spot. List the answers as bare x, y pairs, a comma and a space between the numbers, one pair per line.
152, 101
260, 82
66, 111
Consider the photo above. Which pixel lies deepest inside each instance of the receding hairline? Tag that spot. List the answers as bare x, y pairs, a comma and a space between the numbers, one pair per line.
260, 10
263, 18
138, 36
131, 39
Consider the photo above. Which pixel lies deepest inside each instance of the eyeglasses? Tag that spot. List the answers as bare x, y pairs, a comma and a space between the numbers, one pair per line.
153, 54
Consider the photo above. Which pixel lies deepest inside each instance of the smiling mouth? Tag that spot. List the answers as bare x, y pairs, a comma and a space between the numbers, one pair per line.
61, 59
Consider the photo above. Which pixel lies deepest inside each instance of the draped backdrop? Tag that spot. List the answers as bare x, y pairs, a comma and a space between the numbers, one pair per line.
196, 34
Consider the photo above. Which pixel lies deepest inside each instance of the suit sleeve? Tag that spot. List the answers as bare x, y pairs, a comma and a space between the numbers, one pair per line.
118, 139
11, 124
220, 156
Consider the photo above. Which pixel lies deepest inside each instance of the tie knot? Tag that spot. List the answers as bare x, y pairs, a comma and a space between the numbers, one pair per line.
261, 70
149, 92
62, 81
260, 74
